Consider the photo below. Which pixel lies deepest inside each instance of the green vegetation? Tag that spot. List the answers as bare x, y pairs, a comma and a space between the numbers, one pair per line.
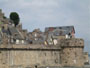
15, 18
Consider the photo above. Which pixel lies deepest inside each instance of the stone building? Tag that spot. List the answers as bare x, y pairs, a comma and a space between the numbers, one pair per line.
16, 36
36, 37
53, 34
64, 31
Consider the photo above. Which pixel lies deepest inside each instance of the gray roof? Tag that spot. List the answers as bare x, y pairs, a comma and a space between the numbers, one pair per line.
15, 33
60, 30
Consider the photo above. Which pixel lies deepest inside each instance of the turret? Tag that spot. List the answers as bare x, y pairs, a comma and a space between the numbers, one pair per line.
72, 52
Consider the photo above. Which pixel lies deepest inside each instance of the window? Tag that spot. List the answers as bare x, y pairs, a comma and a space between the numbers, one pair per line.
17, 41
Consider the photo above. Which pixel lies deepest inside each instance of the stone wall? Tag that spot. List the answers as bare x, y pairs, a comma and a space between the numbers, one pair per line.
72, 57
86, 58
68, 53
72, 52
30, 58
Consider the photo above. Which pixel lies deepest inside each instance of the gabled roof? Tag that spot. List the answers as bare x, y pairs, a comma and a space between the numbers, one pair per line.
15, 33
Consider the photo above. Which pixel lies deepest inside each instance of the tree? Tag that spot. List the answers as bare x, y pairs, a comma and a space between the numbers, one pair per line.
15, 18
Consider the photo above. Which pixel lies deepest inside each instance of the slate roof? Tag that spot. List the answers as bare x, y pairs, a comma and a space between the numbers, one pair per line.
15, 33
60, 30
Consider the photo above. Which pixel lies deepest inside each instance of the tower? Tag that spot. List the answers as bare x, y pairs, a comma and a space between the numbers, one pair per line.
72, 52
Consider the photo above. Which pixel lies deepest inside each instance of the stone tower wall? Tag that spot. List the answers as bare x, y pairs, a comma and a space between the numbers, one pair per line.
72, 52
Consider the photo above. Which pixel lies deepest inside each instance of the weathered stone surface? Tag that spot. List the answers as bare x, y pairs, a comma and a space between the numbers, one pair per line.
72, 52
86, 58
30, 58
73, 42
64, 54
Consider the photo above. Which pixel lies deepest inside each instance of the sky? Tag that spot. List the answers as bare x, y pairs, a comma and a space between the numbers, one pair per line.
45, 13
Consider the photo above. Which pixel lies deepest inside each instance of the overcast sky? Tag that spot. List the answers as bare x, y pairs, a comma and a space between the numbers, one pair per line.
45, 13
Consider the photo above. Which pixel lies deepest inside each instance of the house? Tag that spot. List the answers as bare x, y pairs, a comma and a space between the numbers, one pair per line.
55, 33
36, 37
67, 31
15, 35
